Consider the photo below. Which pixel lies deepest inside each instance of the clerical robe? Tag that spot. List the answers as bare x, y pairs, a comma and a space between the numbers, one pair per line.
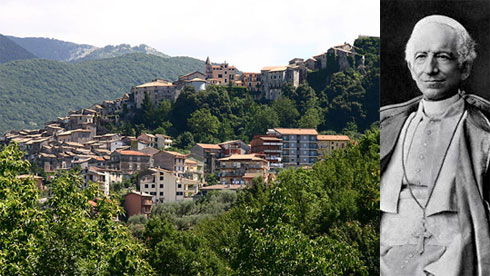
457, 211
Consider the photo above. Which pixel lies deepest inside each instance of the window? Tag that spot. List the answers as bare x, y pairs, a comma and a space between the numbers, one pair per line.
161, 193
161, 177
179, 193
161, 185
152, 186
179, 186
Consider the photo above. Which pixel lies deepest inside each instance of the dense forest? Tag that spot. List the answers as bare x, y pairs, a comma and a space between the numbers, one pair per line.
36, 91
322, 221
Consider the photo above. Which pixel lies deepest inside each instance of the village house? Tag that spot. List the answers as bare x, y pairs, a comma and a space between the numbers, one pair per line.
299, 146
222, 74
170, 160
161, 184
195, 79
208, 154
229, 148
136, 203
129, 161
157, 90
251, 80
270, 147
241, 169
103, 177
328, 143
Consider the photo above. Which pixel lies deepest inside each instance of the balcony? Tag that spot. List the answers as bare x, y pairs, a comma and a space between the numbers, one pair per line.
272, 151
146, 202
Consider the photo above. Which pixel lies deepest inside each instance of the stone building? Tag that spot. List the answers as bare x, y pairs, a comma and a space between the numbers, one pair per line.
274, 78
222, 74
158, 90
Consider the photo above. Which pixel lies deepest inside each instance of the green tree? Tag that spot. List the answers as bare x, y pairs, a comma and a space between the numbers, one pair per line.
204, 126
286, 111
66, 235
311, 119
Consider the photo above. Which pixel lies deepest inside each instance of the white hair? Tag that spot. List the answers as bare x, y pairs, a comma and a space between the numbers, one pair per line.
465, 45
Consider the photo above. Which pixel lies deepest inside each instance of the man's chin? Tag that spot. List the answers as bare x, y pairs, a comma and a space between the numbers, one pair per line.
437, 94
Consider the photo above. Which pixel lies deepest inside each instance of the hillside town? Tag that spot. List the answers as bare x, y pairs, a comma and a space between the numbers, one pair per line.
80, 141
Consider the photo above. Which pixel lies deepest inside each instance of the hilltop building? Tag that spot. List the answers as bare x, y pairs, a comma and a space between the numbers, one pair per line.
274, 77
158, 90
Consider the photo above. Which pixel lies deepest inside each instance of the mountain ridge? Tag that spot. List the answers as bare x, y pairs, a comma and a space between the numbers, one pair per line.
59, 50
39, 90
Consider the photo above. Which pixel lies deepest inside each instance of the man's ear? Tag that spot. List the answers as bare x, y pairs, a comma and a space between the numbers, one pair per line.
465, 71
411, 71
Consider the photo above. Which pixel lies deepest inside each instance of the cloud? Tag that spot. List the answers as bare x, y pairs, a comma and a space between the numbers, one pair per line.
247, 34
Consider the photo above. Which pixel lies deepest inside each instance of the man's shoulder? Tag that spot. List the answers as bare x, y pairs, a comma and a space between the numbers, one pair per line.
478, 111
389, 111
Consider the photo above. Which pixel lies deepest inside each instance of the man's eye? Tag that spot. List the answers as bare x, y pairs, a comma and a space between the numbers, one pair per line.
444, 57
420, 56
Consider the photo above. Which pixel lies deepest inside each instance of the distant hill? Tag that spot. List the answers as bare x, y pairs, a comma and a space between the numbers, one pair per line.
35, 91
9, 50
58, 50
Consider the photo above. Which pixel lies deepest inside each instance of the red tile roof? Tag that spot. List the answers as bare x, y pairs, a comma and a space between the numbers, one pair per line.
132, 152
296, 131
333, 138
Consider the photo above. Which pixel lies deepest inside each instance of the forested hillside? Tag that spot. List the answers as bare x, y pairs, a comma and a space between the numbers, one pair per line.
10, 50
36, 91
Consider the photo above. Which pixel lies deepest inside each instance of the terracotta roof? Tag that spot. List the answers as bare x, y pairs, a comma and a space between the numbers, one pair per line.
296, 131
274, 68
196, 79
223, 187
138, 193
268, 138
231, 142
155, 84
333, 138
150, 151
188, 161
174, 153
242, 157
132, 152
209, 146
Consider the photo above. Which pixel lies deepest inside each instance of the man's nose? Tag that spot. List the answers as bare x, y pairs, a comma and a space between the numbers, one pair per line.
430, 66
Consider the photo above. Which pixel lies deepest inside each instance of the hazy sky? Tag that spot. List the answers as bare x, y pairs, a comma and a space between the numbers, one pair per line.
247, 34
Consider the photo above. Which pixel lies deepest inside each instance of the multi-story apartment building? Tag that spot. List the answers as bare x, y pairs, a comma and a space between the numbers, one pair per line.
129, 161
170, 160
103, 177
274, 78
299, 146
328, 143
242, 169
222, 74
268, 146
158, 90
208, 154
233, 147
251, 80
161, 184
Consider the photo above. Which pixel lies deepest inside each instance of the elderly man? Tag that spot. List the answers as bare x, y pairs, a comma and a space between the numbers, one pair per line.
435, 153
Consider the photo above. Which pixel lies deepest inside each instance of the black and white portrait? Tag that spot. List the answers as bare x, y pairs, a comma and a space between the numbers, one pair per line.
435, 138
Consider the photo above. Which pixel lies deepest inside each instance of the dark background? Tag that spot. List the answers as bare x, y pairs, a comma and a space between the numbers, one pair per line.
398, 18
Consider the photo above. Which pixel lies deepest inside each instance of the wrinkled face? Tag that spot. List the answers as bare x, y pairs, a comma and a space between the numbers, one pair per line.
435, 66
